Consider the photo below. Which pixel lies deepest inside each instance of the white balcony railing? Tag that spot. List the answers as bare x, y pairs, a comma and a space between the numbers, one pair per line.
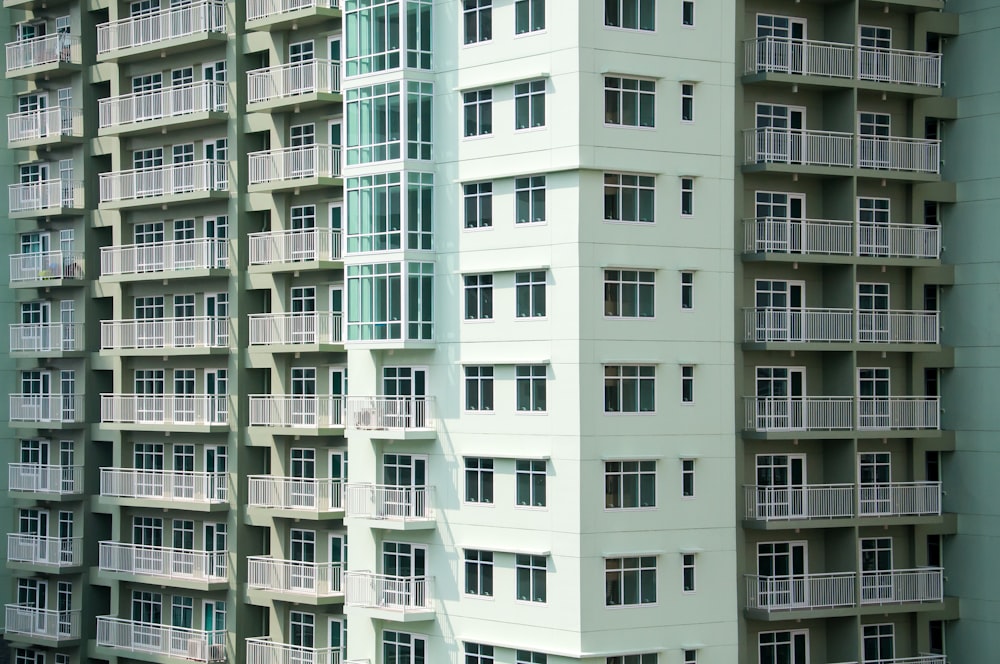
46, 194
171, 485
293, 576
265, 651
167, 180
889, 65
299, 328
898, 327
46, 337
269, 410
394, 503
769, 145
258, 10
799, 592
64, 408
898, 413
290, 164
125, 558
295, 493
798, 56
29, 126
900, 586
291, 80
841, 413
814, 501
176, 101
393, 413
199, 254
38, 478
38, 550
890, 153
193, 332
178, 642
162, 25
180, 409
899, 240
46, 266
768, 325
381, 591
900, 499
42, 623
45, 50
307, 244
841, 238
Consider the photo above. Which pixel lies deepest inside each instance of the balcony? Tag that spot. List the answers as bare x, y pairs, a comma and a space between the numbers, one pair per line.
265, 651
48, 268
201, 257
162, 185
281, 14
799, 237
44, 551
180, 643
37, 339
152, 336
52, 481
157, 33
44, 127
394, 598
294, 169
842, 501
296, 497
49, 55
296, 85
831, 326
799, 414
189, 105
797, 148
391, 507
392, 418
42, 624
899, 67
302, 580
197, 568
195, 412
46, 198
300, 415
302, 249
296, 332
135, 486
53, 410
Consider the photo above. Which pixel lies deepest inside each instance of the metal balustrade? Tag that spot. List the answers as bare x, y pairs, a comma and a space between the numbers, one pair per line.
46, 337
39, 478
787, 325
295, 329
165, 333
173, 102
899, 240
162, 25
263, 650
769, 145
297, 163
258, 10
841, 413
382, 591
38, 550
902, 586
270, 410
294, 576
292, 80
171, 485
898, 327
306, 244
46, 266
167, 180
900, 499
42, 623
799, 592
891, 153
127, 558
833, 501
295, 493
198, 254
393, 413
895, 413
179, 409
65, 408
44, 195
28, 126
178, 642
45, 50
840, 238
389, 502
890, 65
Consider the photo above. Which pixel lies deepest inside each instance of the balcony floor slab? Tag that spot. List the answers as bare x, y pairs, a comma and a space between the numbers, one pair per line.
847, 522
41, 568
21, 638
264, 516
164, 428
296, 267
47, 354
45, 72
292, 20
392, 615
108, 504
261, 597
394, 434
197, 351
836, 259
48, 283
165, 275
842, 612
296, 185
53, 140
186, 121
47, 426
842, 347
44, 213
45, 496
392, 524
162, 49
296, 432
165, 201
101, 577
294, 349
108, 654
295, 102
844, 434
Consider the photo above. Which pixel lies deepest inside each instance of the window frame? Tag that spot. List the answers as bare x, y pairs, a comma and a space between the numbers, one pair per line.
480, 104
620, 280
532, 568
687, 196
531, 10
687, 102
687, 384
526, 92
480, 289
687, 290
480, 380
621, 473
638, 13
620, 91
478, 469
536, 288
479, 563
640, 569
643, 377
686, 4
480, 195
688, 567
535, 188
481, 7
640, 190
530, 374
688, 476
530, 469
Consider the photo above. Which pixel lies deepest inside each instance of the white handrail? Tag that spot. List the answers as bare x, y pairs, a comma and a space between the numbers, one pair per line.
305, 244
42, 623
801, 591
39, 478
295, 493
382, 591
46, 265
171, 485
161, 25
44, 50
197, 254
46, 408
176, 101
294, 163
900, 499
890, 65
187, 332
295, 328
290, 80
166, 180
294, 576
390, 502
896, 413
900, 586
394, 413
44, 123
180, 642
258, 10
128, 558
812, 501
895, 153
840, 238
277, 410
799, 413
38, 550
196, 409
264, 651
45, 194
770, 145
45, 337
770, 325
784, 55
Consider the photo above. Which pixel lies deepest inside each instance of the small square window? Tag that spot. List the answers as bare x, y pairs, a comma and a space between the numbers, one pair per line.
687, 15
687, 102
687, 478
687, 567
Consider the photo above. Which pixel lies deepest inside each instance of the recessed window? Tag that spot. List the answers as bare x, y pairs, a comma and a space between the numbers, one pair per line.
687, 478
530, 294
478, 111
529, 195
629, 389
690, 657
530, 481
478, 199
687, 572
531, 388
687, 15
478, 20
687, 290
479, 480
479, 297
528, 657
479, 573
629, 484
529, 104
529, 16
687, 384
629, 293
687, 197
479, 389
645, 658
531, 581
477, 653
629, 197
687, 102
630, 581
630, 14
629, 102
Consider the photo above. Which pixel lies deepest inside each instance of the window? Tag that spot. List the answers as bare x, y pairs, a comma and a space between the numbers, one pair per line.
687, 572
478, 199
628, 197
628, 293
629, 102
629, 484
529, 16
529, 104
531, 387
687, 290
687, 19
373, 128
629, 389
630, 581
690, 657
687, 197
530, 294
530, 577
645, 658
478, 20
478, 480
687, 102
479, 573
479, 389
530, 479
530, 199
479, 297
528, 657
687, 384
687, 478
630, 14
478, 107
